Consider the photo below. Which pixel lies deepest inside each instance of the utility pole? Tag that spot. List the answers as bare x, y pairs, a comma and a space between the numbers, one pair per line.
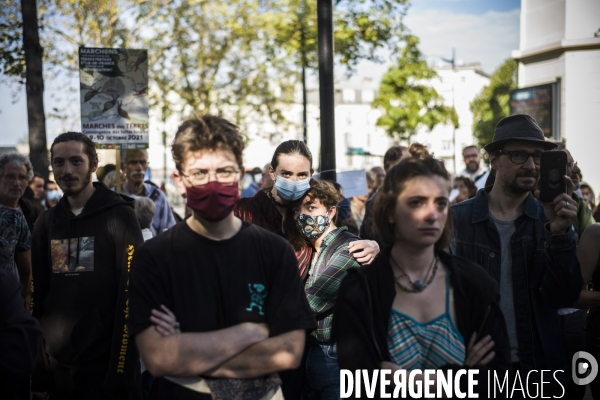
325, 41
453, 63
303, 62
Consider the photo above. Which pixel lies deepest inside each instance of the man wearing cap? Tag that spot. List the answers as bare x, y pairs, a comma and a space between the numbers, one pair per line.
527, 246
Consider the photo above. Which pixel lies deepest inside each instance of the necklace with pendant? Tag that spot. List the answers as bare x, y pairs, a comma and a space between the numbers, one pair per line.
418, 285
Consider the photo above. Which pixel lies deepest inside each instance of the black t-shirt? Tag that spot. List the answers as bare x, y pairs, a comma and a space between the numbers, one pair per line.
211, 285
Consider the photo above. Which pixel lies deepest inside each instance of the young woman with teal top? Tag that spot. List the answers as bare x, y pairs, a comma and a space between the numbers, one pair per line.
416, 306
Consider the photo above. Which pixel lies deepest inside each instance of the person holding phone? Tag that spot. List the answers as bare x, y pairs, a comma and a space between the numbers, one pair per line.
527, 246
416, 306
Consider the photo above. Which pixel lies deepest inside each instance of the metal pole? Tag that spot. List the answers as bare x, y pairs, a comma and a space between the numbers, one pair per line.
303, 62
453, 63
325, 40
164, 142
304, 116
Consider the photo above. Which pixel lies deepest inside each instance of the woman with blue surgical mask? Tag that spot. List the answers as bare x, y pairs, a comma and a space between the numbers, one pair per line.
291, 170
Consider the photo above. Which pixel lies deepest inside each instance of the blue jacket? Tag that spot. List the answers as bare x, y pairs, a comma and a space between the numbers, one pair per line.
545, 272
163, 215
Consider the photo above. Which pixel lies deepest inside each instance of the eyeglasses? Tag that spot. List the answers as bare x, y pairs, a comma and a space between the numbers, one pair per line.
12, 177
521, 156
133, 163
469, 156
225, 176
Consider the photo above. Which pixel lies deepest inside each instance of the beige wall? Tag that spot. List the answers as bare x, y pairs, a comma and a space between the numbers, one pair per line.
542, 22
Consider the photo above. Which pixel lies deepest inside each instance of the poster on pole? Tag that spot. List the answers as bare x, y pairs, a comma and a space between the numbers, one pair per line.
114, 97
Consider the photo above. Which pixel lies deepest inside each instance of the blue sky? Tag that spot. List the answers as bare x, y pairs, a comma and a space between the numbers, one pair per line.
475, 7
482, 31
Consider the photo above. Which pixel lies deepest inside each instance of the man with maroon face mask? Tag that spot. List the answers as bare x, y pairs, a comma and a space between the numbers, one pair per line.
215, 296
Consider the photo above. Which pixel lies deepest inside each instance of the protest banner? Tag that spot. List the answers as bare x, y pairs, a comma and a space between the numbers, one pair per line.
114, 97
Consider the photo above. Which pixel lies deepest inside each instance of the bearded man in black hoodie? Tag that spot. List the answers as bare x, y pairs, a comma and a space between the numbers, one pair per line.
82, 252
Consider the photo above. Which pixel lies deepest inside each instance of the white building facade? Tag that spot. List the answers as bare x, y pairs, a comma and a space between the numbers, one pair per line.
560, 41
458, 86
360, 143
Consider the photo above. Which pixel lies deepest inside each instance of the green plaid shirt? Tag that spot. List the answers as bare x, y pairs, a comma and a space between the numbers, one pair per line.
324, 281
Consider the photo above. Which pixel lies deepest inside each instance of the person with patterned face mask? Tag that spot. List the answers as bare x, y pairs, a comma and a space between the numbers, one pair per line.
290, 171
312, 220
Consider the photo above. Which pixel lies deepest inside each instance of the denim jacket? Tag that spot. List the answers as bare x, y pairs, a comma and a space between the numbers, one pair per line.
545, 273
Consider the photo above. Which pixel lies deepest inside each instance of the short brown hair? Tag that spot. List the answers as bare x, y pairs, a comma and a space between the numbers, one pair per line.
394, 183
207, 132
324, 191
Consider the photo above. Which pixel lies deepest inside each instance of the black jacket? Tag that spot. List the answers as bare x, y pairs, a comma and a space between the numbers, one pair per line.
362, 344
19, 338
546, 275
80, 285
367, 228
29, 212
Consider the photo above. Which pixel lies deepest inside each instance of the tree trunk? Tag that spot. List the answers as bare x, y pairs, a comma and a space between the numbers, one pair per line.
38, 153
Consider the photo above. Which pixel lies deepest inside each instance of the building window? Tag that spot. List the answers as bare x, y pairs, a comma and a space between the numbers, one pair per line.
368, 96
349, 95
446, 144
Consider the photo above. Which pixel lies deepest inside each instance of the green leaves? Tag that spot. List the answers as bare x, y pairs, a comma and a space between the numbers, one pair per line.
12, 57
406, 97
239, 58
491, 104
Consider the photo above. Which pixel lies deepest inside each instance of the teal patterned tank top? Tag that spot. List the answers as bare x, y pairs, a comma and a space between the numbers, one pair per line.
430, 345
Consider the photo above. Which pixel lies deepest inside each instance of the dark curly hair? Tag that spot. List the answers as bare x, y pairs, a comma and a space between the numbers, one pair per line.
207, 132
323, 191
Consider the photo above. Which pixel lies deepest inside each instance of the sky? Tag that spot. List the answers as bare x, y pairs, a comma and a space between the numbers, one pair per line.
484, 31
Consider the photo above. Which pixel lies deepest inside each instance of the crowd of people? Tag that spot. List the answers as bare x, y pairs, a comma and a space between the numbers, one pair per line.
267, 292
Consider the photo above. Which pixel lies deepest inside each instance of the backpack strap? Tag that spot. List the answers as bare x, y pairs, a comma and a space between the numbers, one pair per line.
155, 194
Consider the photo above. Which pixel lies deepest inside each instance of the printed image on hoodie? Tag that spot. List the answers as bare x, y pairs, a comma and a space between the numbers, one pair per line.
72, 255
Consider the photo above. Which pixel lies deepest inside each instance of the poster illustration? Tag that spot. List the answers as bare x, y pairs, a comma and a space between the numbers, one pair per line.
80, 258
114, 97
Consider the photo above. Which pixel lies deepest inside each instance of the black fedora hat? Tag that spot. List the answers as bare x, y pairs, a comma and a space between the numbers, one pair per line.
518, 127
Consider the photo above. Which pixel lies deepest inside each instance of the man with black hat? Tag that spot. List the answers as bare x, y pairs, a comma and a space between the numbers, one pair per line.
527, 246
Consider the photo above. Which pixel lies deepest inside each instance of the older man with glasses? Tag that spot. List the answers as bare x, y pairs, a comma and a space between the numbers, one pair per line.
135, 164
